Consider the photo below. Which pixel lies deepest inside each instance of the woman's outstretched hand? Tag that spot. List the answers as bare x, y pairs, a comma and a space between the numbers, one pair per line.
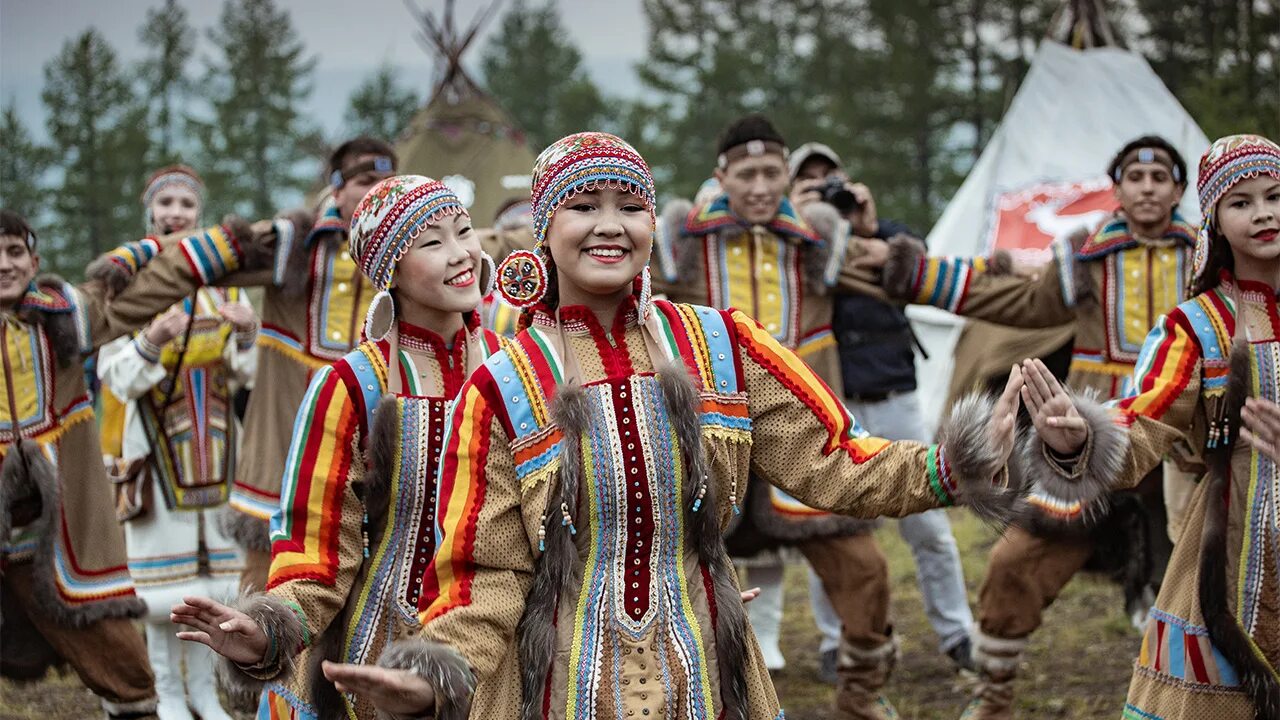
229, 632
1262, 427
1004, 417
396, 692
1052, 412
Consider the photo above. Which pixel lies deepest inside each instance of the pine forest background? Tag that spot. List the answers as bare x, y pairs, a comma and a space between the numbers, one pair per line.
908, 91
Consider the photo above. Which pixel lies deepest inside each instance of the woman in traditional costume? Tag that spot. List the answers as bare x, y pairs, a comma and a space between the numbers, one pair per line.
1212, 641
173, 453
356, 528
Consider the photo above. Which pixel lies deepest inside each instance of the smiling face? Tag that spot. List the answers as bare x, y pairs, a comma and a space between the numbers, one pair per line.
175, 208
600, 241
441, 272
1148, 194
1248, 216
755, 185
18, 267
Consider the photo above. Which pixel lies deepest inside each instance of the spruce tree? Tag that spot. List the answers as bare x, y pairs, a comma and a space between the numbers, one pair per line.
381, 107
257, 145
23, 164
536, 74
169, 41
98, 134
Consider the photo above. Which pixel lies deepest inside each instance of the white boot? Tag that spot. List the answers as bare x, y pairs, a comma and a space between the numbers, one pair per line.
166, 663
202, 686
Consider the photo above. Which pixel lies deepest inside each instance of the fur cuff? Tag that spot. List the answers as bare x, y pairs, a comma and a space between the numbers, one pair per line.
898, 278
251, 533
441, 666
255, 242
283, 626
996, 657
670, 231
1000, 263
1079, 489
980, 480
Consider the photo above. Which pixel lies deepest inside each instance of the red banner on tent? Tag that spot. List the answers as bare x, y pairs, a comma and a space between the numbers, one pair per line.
1028, 219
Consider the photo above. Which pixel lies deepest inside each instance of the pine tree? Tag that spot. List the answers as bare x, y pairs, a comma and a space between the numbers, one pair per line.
381, 107
99, 139
538, 77
23, 164
170, 41
257, 144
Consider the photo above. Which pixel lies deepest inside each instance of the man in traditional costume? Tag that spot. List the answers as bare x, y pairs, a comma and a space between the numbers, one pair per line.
66, 589
1212, 640
1112, 282
746, 247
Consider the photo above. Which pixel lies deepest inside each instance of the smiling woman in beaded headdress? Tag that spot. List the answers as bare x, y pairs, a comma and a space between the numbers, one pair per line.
173, 450
355, 531
1212, 640
592, 465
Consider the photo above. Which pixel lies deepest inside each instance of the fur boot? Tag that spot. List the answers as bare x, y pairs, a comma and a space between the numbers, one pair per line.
997, 660
861, 675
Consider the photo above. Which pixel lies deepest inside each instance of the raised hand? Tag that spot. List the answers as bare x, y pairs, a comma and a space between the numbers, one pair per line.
870, 253
1004, 416
396, 692
749, 595
167, 327
229, 632
241, 316
1262, 427
1052, 412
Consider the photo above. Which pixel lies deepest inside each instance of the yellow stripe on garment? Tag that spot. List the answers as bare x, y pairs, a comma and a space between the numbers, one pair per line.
1100, 367
312, 363
459, 501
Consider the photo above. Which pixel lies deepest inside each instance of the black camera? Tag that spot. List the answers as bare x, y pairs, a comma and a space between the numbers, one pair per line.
838, 196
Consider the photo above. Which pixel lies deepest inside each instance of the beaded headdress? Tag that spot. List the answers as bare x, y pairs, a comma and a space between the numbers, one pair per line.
1227, 162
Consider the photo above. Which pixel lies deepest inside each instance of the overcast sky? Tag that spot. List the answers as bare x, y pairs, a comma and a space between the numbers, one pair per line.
349, 38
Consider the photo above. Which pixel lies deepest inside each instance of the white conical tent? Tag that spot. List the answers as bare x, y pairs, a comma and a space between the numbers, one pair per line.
1074, 110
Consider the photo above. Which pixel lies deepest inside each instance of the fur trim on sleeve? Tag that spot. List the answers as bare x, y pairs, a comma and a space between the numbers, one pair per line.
825, 266
250, 532
285, 628
668, 237
898, 276
1086, 483
442, 667
982, 482
1000, 263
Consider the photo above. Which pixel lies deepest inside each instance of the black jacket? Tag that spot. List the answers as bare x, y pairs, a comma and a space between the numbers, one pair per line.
876, 345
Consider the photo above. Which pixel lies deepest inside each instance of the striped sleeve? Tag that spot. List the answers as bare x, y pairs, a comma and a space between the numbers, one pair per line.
316, 534
1165, 399
805, 441
963, 286
483, 567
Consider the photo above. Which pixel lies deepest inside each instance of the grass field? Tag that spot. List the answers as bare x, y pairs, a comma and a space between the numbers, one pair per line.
1078, 663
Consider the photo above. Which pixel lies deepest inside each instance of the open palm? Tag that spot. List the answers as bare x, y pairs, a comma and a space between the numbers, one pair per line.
1052, 411
397, 692
229, 632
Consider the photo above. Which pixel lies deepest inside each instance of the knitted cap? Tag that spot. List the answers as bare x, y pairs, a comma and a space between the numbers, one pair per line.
583, 162
1227, 162
391, 216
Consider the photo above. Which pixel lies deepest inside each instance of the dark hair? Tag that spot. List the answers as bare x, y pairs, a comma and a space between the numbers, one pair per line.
362, 145
1149, 141
11, 223
1220, 258
747, 128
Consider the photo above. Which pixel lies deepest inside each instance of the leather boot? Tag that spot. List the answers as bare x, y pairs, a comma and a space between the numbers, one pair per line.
862, 674
997, 660
166, 663
202, 686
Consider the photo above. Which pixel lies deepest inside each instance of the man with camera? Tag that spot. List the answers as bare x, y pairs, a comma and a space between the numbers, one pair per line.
877, 363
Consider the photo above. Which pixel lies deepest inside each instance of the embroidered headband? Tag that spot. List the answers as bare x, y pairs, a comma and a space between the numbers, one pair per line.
383, 228
751, 148
173, 175
1158, 156
379, 163
1227, 162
